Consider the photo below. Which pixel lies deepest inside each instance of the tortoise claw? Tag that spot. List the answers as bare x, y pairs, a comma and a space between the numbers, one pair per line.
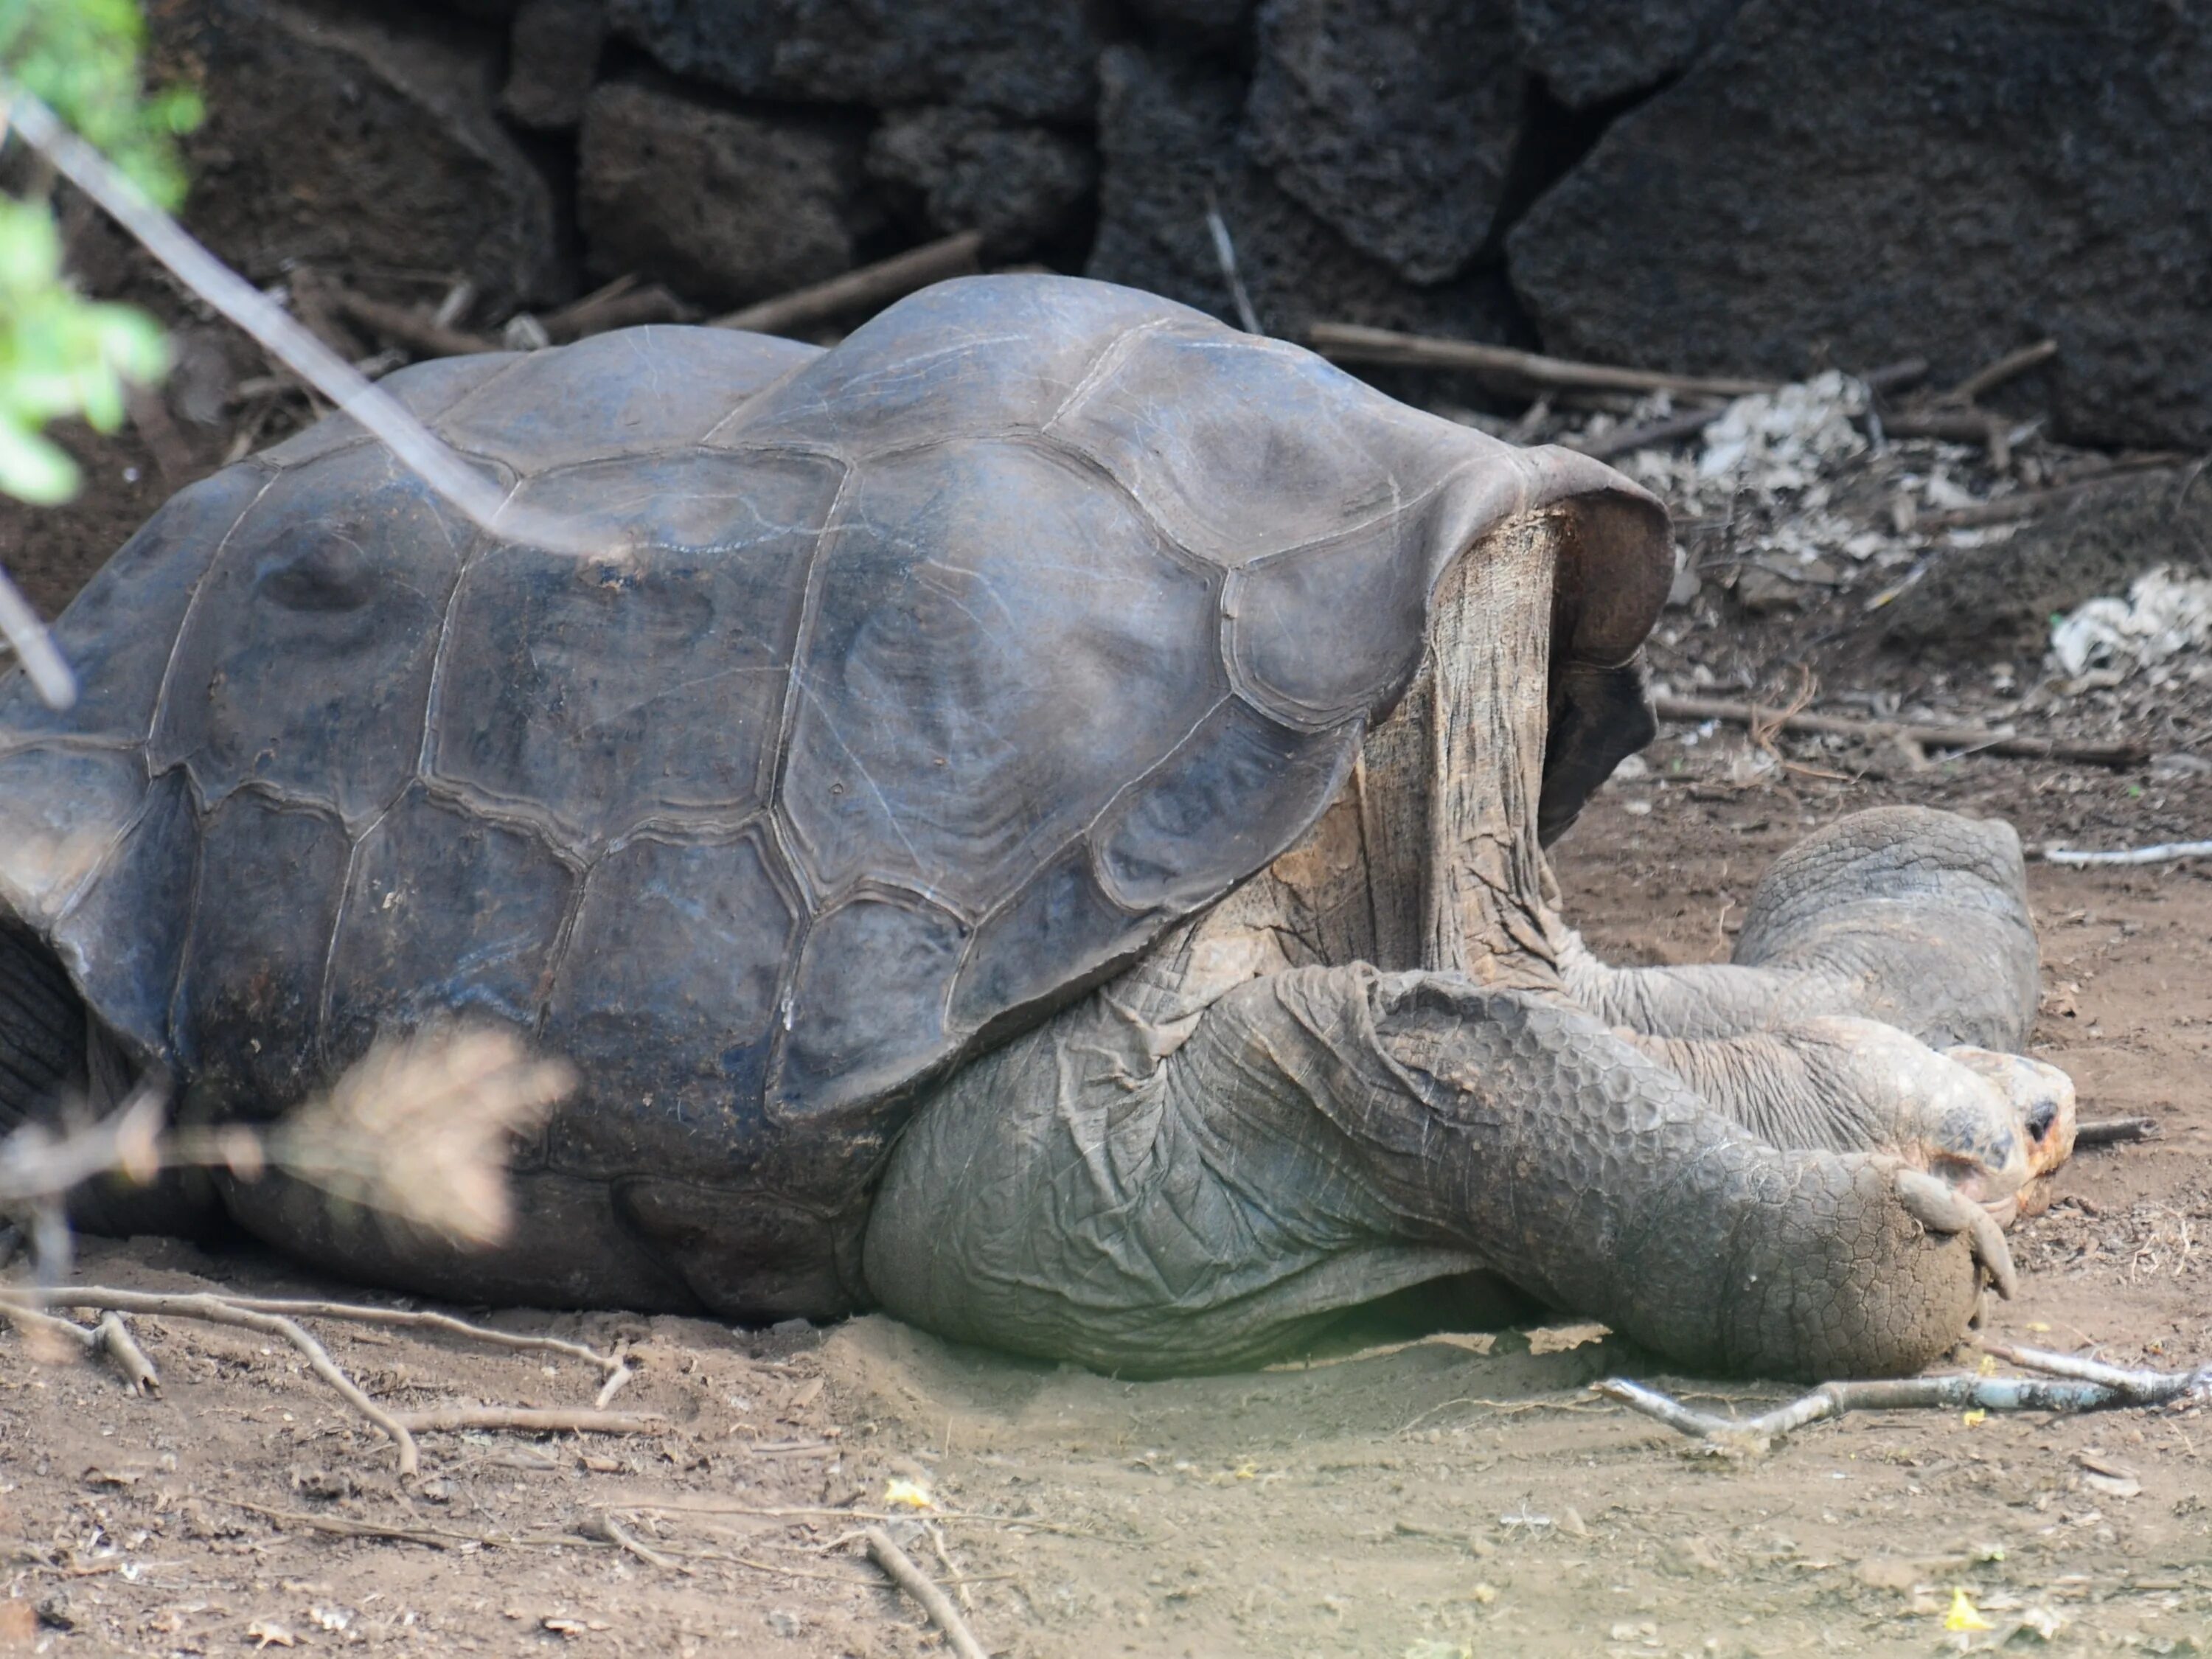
1938, 1207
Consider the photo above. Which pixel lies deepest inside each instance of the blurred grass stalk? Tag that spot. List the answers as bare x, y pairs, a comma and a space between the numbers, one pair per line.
417, 1131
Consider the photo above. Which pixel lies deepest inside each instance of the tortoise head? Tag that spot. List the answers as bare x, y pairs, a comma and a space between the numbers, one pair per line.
1616, 561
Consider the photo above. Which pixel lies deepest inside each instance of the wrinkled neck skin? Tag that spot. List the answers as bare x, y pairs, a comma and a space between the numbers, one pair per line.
1860, 954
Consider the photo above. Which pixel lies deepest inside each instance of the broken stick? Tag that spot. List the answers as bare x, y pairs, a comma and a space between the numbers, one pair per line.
1625, 439
2164, 853
900, 1566
863, 289
418, 333
1998, 740
531, 1419
214, 1311
2004, 368
2074, 1385
1352, 343
2112, 1131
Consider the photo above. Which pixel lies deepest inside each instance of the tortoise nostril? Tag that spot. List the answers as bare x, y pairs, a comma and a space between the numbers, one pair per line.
2040, 1120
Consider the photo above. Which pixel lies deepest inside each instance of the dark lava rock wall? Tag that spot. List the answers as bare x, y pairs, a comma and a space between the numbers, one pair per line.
1766, 186
1859, 183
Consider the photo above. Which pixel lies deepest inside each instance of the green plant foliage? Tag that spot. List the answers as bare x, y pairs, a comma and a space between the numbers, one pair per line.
61, 354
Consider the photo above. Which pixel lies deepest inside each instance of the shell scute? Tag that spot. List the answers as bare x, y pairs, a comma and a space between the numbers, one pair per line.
628, 392
125, 936
1240, 789
121, 626
845, 1045
1242, 447
666, 998
447, 913
979, 356
63, 806
305, 662
648, 686
426, 391
1001, 643
248, 1009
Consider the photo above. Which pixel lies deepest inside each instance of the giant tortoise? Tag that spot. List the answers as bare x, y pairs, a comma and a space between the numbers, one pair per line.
1032, 822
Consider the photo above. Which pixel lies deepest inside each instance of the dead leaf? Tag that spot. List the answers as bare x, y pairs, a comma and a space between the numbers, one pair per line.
99, 1477
2105, 1477
805, 1393
268, 1633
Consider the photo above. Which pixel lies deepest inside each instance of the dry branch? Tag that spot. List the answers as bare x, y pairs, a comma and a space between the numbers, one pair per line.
620, 304
481, 500
1625, 440
2112, 1131
2163, 852
357, 1312
1352, 343
1998, 740
2004, 368
866, 288
216, 1310
419, 334
2074, 1385
534, 1419
900, 1566
112, 1338
1225, 255
2027, 504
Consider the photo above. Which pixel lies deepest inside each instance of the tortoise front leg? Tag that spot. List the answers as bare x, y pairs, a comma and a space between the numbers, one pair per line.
1882, 988
1153, 1195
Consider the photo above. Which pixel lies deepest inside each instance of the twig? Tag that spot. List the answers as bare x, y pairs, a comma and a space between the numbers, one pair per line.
477, 496
2004, 368
900, 1566
866, 288
1988, 1394
35, 647
420, 334
1894, 377
339, 1526
803, 1512
1225, 255
530, 1419
216, 1310
2111, 1131
618, 1377
620, 304
2002, 740
2140, 1387
112, 1338
1625, 439
1352, 343
360, 1313
604, 1524
2163, 852
2027, 504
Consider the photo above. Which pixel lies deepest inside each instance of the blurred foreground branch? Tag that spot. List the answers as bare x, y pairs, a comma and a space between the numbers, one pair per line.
472, 493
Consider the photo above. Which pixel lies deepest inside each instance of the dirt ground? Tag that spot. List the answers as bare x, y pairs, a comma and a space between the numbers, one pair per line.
1460, 1495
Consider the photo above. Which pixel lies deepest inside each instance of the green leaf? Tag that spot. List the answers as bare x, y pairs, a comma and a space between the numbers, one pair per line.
33, 470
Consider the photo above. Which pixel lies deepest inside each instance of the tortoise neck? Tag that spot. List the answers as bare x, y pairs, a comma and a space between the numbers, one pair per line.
1428, 857
1485, 909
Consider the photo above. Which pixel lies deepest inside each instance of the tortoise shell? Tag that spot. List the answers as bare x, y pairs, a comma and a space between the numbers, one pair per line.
924, 681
